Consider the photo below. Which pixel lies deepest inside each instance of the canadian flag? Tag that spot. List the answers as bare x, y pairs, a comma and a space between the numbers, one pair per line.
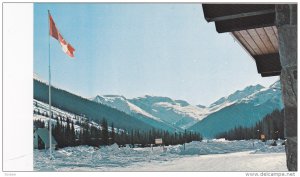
66, 47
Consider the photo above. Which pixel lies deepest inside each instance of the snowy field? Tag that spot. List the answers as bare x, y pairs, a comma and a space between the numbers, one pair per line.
212, 155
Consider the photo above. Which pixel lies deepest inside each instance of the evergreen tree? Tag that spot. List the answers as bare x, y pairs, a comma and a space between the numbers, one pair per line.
39, 123
68, 133
89, 134
131, 138
104, 132
272, 126
112, 133
73, 135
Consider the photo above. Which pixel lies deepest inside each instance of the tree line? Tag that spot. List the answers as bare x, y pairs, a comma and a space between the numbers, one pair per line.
100, 134
271, 126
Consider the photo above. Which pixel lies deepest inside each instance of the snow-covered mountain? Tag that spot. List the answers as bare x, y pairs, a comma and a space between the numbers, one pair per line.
242, 108
162, 111
233, 98
177, 112
124, 105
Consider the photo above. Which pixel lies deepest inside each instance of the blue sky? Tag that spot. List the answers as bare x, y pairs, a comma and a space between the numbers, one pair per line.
137, 49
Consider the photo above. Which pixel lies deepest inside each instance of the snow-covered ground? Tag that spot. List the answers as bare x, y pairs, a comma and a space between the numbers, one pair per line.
212, 155
239, 161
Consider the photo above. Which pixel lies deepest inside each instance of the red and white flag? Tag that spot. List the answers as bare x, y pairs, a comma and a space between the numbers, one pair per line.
66, 47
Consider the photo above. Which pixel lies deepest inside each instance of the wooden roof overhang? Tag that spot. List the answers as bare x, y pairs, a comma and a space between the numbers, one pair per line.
253, 26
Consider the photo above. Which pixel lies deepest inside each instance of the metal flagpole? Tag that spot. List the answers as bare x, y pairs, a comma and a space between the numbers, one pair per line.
50, 112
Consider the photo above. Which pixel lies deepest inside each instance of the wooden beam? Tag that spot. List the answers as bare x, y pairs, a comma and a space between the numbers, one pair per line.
245, 23
270, 74
269, 63
217, 12
241, 15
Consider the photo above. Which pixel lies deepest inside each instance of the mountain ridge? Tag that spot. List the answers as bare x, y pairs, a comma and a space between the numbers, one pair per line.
244, 112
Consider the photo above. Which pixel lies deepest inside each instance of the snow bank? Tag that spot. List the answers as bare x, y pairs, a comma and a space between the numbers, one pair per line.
100, 159
86, 158
222, 146
270, 149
